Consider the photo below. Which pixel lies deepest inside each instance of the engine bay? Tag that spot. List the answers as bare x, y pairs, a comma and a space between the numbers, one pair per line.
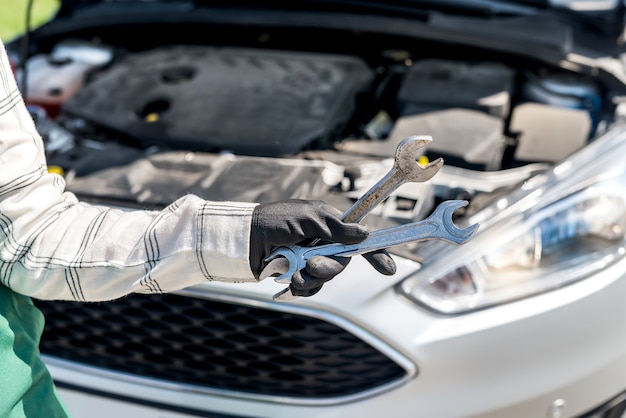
141, 126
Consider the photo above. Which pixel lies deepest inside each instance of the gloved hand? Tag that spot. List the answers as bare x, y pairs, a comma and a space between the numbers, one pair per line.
300, 222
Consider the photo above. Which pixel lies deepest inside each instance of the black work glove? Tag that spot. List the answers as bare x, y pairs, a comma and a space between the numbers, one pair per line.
301, 222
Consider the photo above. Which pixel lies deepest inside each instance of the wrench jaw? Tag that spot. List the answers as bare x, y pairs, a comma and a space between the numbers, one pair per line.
454, 235
406, 157
429, 170
412, 143
292, 261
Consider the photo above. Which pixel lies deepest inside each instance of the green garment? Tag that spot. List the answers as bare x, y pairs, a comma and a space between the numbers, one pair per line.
26, 388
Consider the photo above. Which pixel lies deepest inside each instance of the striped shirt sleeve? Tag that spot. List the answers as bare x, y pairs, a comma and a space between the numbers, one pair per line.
53, 246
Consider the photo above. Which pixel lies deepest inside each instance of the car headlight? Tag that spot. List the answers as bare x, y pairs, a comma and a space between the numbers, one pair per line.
555, 229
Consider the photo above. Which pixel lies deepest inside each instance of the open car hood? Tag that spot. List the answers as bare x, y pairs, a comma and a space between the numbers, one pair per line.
587, 28
582, 7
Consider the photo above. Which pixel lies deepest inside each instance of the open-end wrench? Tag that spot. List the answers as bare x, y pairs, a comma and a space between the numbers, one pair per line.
405, 170
439, 225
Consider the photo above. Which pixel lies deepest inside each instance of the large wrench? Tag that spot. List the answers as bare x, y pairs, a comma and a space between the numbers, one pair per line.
405, 170
439, 225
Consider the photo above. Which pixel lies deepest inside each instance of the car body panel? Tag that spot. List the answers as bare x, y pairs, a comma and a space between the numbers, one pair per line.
491, 363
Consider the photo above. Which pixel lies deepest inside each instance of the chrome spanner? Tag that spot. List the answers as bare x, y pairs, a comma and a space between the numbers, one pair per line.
439, 225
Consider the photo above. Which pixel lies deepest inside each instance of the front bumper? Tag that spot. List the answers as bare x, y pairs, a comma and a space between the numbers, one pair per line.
566, 348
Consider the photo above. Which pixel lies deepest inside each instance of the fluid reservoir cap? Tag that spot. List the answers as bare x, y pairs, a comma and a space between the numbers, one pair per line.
55, 169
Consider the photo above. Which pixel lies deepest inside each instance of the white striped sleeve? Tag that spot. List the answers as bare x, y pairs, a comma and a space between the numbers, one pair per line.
54, 247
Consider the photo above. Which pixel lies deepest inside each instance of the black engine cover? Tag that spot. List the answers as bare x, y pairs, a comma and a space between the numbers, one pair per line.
250, 102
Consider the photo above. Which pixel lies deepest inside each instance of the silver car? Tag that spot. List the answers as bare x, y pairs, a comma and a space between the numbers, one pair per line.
140, 102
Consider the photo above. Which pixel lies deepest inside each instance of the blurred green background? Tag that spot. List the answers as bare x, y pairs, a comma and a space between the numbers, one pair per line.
13, 16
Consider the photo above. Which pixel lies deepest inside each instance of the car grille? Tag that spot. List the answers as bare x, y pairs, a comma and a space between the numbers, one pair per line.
216, 345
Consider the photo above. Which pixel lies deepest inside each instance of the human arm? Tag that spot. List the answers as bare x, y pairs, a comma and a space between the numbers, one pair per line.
54, 247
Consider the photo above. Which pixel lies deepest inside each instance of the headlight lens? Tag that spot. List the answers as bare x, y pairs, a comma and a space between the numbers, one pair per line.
536, 239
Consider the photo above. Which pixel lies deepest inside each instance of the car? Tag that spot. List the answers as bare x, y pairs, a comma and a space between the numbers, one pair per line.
141, 102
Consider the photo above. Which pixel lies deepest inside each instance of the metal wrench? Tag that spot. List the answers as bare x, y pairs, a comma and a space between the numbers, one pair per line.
405, 170
439, 225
